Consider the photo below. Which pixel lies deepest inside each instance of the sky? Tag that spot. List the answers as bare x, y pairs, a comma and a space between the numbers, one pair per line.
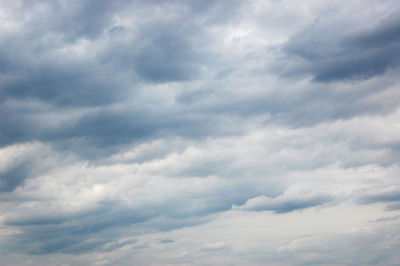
199, 132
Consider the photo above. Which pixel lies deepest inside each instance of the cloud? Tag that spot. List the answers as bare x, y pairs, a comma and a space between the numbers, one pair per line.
12, 177
210, 133
214, 246
338, 247
23, 161
78, 233
389, 196
331, 52
285, 203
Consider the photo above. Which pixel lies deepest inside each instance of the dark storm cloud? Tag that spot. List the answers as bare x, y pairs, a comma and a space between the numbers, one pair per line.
331, 53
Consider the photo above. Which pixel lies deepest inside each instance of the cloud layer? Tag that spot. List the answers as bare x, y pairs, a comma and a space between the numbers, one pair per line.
219, 133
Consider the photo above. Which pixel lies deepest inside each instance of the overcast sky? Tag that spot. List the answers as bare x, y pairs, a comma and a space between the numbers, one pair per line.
199, 132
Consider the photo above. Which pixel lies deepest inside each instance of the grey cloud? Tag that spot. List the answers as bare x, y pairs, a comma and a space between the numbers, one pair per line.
393, 207
21, 162
67, 85
383, 195
14, 128
97, 227
14, 176
170, 48
162, 50
213, 247
385, 219
293, 108
206, 116
108, 127
386, 33
78, 233
72, 20
330, 53
159, 51
365, 246
94, 95
283, 204
88, 18
167, 58
165, 241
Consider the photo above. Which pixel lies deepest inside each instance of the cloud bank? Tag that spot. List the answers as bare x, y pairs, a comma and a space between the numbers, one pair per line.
212, 132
